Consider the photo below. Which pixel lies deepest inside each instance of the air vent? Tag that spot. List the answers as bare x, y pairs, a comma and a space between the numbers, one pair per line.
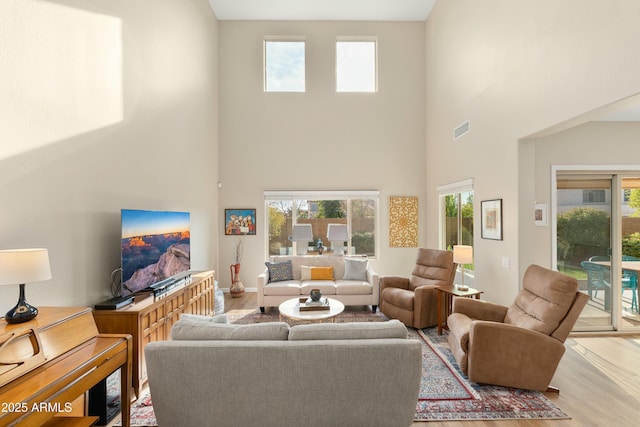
461, 130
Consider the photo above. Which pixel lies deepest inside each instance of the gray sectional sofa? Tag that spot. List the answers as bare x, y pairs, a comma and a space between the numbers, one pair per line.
274, 375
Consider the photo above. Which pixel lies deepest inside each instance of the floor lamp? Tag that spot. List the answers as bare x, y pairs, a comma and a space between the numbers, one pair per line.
462, 254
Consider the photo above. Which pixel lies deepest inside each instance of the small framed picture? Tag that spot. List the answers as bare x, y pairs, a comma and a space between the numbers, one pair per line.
540, 214
239, 222
491, 227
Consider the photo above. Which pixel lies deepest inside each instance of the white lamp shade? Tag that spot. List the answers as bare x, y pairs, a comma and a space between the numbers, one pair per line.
337, 233
302, 233
19, 266
463, 254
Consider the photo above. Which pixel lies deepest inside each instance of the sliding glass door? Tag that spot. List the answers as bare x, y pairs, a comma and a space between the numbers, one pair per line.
598, 242
583, 230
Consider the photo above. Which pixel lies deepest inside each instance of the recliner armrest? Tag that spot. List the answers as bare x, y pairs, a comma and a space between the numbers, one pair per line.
479, 310
393, 282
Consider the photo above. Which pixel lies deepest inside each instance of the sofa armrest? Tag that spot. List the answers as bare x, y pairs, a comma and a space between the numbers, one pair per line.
511, 356
479, 310
263, 279
374, 279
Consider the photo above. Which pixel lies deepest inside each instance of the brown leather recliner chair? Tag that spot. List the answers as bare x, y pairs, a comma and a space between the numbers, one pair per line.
413, 300
521, 345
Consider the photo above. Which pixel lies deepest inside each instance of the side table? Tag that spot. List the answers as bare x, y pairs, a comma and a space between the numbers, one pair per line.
445, 302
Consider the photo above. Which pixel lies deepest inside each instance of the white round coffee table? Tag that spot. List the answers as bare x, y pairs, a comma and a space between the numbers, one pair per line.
291, 309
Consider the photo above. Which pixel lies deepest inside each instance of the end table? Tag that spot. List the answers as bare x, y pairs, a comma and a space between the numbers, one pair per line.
445, 302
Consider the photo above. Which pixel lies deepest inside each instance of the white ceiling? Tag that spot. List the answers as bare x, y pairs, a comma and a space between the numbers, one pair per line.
322, 10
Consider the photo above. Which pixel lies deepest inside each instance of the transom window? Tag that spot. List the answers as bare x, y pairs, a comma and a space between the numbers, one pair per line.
284, 65
358, 210
356, 65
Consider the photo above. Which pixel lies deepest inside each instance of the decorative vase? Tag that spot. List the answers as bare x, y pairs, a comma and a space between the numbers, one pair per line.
237, 288
315, 295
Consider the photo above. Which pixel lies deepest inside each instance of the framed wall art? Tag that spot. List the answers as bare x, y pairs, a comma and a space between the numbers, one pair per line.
540, 214
403, 222
491, 227
240, 222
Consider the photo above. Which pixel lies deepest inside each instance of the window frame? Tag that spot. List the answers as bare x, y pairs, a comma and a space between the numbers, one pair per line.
349, 196
456, 188
358, 39
283, 39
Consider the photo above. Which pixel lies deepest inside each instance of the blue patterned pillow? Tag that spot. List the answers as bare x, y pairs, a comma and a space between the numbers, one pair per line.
279, 271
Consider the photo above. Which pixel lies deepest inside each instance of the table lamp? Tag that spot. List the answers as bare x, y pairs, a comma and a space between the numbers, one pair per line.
462, 254
18, 267
302, 235
337, 234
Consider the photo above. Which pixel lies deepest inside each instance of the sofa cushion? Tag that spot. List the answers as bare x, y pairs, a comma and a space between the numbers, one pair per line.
220, 318
348, 331
327, 287
353, 287
286, 287
190, 330
355, 268
279, 271
316, 273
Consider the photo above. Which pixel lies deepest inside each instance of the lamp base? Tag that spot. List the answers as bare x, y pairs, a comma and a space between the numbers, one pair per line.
22, 312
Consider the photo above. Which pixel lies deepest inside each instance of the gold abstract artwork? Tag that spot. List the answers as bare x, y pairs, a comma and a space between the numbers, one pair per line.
403, 222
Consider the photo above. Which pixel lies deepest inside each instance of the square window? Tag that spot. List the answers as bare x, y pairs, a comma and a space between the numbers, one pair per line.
284, 66
356, 66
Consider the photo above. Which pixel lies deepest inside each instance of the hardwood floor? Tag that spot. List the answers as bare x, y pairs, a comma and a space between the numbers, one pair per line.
598, 378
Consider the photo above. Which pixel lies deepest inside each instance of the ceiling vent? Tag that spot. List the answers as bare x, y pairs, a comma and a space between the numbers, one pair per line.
461, 130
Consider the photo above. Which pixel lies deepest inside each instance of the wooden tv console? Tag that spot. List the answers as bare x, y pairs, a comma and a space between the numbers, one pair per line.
150, 319
49, 363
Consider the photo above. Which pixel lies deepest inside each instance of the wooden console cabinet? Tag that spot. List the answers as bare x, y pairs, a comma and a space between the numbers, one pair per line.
150, 319
49, 363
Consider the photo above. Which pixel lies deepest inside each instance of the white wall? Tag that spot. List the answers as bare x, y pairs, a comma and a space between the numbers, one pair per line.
594, 143
105, 104
513, 69
320, 140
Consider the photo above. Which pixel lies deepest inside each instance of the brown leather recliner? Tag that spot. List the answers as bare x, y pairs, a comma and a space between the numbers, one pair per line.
413, 300
521, 345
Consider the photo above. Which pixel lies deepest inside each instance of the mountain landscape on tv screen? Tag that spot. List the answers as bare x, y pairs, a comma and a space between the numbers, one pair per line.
149, 259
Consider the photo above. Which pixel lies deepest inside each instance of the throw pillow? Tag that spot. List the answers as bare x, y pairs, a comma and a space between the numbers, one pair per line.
316, 273
279, 271
355, 269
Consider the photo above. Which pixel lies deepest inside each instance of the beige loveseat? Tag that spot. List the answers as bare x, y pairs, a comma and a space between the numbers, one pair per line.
273, 375
353, 282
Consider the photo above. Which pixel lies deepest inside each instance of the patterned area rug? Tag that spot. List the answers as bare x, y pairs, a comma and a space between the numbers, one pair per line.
445, 393
351, 314
483, 402
142, 412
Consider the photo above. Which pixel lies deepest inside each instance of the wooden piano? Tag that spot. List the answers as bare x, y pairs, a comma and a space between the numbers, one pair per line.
48, 364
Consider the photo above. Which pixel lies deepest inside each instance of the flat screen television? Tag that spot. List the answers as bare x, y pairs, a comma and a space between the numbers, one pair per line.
155, 247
